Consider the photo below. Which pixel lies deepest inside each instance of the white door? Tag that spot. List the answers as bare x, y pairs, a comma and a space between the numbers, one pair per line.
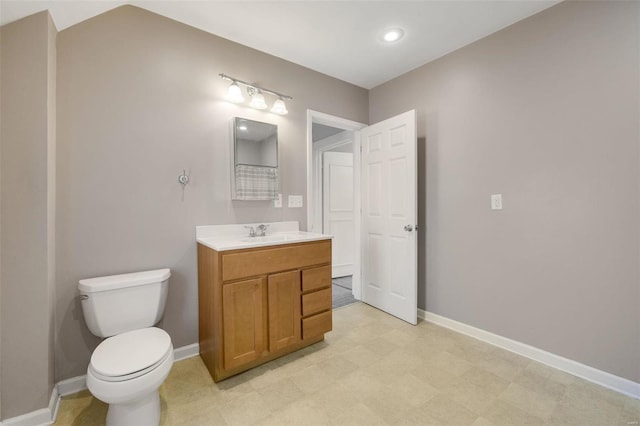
389, 214
337, 210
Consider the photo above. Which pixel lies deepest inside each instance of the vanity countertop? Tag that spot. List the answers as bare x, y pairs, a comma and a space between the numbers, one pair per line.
235, 237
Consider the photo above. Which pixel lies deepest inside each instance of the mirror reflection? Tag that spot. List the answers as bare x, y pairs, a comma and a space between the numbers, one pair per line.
256, 143
255, 160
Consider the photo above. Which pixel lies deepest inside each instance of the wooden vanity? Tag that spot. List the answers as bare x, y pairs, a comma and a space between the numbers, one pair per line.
257, 304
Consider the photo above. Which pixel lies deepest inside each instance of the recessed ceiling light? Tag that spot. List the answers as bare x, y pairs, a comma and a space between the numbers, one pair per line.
393, 35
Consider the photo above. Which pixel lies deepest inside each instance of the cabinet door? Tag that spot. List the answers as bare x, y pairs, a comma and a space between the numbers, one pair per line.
243, 321
284, 309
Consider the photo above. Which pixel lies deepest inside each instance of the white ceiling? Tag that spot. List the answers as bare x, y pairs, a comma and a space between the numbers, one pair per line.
338, 38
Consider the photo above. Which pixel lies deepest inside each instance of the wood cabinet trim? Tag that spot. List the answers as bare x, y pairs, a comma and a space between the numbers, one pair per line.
264, 261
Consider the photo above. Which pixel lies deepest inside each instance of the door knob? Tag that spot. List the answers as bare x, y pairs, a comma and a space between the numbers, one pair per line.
408, 228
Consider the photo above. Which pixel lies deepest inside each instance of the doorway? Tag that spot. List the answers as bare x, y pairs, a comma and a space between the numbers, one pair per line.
333, 187
385, 199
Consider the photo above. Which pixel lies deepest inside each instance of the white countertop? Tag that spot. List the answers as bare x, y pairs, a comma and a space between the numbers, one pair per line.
234, 237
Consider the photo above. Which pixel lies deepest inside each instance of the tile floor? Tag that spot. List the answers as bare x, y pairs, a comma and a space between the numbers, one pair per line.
374, 369
341, 292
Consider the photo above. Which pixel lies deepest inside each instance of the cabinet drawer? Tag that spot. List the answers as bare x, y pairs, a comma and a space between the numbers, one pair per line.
315, 302
261, 262
316, 325
316, 278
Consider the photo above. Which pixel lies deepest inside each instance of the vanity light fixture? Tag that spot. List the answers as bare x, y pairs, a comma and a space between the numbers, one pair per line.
279, 107
234, 94
257, 99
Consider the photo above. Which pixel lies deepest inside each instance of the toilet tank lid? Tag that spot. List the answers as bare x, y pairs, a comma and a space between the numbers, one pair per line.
113, 282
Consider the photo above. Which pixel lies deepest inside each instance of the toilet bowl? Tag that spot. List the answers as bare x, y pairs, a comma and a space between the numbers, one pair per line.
128, 367
126, 371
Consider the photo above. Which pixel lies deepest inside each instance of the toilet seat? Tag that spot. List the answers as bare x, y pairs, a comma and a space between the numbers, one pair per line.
130, 355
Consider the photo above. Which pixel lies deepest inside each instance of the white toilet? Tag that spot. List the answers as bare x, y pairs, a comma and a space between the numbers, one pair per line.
128, 367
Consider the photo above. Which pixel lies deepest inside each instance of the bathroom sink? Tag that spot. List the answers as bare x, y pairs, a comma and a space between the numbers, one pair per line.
234, 237
266, 239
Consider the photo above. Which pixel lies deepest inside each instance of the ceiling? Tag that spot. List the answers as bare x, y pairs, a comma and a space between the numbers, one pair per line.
320, 131
338, 38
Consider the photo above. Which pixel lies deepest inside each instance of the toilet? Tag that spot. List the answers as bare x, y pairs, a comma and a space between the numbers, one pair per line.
128, 367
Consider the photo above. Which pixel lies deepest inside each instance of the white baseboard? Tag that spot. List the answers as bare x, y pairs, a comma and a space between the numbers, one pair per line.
38, 417
72, 385
185, 352
338, 271
54, 404
602, 378
47, 416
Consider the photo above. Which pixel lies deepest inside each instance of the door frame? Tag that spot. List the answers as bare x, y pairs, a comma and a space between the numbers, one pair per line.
314, 204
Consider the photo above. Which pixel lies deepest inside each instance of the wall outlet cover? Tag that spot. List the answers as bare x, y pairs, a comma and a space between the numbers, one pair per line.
295, 201
496, 201
277, 203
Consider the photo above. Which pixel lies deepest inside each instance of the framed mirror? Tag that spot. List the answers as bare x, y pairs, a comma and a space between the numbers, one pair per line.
254, 160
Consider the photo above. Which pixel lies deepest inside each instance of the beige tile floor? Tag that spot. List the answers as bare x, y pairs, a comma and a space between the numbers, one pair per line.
374, 369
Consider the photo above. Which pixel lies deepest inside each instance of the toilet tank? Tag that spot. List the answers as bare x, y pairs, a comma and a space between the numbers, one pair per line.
120, 303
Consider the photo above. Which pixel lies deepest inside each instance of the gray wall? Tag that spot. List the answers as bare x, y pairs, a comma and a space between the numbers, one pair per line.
139, 99
545, 112
28, 196
1, 316
344, 148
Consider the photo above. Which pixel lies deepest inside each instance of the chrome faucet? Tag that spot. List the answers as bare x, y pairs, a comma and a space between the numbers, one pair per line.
252, 231
262, 230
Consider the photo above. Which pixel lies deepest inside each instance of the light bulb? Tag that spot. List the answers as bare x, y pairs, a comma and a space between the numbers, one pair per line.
393, 35
234, 93
279, 107
257, 101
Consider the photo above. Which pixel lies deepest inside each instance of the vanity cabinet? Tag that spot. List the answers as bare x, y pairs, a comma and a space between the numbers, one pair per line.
261, 303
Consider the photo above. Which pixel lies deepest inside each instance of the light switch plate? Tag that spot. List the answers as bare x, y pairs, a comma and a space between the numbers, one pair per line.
496, 201
295, 201
277, 203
